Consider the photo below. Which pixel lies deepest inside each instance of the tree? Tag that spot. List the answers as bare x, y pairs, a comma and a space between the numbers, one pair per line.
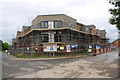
1, 45
6, 46
115, 19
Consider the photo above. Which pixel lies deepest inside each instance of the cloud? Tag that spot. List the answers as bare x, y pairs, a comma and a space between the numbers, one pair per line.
16, 13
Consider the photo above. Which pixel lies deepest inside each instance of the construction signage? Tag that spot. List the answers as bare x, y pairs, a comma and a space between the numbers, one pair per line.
90, 46
28, 48
89, 50
61, 48
74, 46
97, 47
47, 48
68, 48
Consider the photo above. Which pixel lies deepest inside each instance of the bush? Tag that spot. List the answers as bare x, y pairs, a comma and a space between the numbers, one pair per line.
35, 54
19, 55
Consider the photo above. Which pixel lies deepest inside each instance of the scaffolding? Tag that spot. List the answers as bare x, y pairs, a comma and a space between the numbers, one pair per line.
40, 40
34, 42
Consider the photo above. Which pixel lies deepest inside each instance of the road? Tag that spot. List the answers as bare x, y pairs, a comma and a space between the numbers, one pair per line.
13, 69
107, 63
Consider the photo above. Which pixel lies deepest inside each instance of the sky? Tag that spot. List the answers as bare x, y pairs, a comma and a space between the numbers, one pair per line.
17, 13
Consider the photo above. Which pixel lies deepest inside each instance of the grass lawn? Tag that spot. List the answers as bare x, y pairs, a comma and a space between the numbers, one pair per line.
45, 56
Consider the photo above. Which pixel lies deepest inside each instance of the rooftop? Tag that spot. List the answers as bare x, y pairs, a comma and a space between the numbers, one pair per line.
51, 14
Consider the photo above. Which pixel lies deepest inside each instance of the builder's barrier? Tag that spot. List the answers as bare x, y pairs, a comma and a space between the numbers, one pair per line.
102, 50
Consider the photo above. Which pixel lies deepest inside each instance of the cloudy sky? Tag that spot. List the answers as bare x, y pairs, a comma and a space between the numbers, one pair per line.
16, 13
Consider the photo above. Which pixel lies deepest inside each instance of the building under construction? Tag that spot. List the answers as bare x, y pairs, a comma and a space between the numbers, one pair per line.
58, 34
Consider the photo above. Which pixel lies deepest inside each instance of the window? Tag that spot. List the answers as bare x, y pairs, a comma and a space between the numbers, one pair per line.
57, 24
70, 38
45, 37
44, 24
57, 37
90, 30
86, 29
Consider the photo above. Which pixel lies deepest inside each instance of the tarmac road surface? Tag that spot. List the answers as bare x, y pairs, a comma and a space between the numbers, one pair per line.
13, 69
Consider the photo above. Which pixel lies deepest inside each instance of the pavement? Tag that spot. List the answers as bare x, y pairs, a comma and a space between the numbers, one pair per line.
42, 59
